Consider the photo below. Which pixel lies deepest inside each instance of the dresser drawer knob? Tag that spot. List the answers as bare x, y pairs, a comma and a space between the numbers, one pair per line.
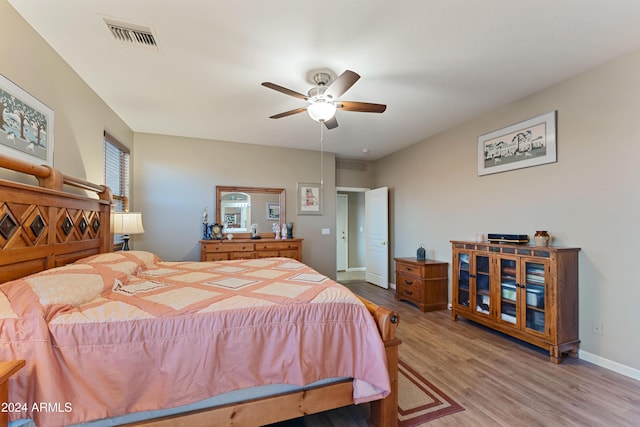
408, 282
408, 292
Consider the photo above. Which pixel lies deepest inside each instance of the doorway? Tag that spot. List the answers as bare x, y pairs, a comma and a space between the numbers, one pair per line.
350, 234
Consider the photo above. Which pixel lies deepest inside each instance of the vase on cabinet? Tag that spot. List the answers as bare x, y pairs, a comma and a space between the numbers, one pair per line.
541, 238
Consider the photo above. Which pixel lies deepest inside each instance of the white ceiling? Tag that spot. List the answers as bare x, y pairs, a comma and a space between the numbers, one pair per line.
435, 63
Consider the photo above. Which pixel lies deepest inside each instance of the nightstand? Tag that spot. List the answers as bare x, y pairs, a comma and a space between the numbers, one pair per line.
7, 369
423, 283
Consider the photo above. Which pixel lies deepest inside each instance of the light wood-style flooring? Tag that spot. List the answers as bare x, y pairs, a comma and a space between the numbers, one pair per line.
498, 380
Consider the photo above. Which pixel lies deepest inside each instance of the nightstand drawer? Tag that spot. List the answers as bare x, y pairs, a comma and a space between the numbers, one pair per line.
409, 280
424, 271
409, 289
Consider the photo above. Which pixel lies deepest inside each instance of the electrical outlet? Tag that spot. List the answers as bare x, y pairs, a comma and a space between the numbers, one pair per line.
597, 328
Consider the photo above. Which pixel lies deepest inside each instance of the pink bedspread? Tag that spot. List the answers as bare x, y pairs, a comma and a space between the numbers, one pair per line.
126, 332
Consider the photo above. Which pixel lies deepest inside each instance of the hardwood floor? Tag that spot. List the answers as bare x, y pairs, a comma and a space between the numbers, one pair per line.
499, 381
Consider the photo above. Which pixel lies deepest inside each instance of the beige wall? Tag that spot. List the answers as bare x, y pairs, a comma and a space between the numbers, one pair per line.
176, 178
588, 199
80, 116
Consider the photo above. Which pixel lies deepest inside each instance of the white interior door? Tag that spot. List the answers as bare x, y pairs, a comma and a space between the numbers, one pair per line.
342, 232
376, 206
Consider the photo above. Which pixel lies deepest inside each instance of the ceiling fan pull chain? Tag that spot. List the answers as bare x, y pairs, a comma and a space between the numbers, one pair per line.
321, 156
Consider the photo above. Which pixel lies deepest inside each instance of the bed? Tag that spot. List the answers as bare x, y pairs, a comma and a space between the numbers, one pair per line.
121, 333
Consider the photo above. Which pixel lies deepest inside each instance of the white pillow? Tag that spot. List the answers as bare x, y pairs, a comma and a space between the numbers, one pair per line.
69, 285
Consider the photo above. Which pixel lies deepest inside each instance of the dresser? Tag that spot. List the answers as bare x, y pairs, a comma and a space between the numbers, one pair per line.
219, 250
423, 283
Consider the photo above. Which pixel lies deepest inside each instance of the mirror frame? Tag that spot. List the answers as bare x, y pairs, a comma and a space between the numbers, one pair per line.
232, 189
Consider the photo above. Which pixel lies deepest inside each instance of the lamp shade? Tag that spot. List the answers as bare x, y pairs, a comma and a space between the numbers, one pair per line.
321, 110
127, 223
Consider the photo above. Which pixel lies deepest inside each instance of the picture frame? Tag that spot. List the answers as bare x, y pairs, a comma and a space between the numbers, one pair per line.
528, 143
26, 125
273, 211
309, 198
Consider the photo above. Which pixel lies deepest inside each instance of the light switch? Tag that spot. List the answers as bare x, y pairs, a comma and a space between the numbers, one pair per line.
326, 231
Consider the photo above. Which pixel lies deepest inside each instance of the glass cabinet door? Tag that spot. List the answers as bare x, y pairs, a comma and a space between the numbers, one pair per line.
535, 285
464, 271
508, 275
482, 276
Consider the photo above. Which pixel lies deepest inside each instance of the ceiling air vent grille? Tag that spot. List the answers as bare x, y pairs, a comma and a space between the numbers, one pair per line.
132, 34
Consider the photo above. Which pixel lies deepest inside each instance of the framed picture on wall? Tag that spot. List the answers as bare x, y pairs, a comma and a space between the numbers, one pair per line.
309, 199
528, 143
273, 211
26, 125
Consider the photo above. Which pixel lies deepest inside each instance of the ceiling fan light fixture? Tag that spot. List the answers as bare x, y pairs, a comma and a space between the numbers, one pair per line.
321, 110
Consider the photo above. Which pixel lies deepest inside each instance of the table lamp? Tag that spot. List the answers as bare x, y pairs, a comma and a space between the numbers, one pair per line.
127, 223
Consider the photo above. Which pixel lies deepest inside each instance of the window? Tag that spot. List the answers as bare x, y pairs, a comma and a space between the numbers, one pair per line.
116, 172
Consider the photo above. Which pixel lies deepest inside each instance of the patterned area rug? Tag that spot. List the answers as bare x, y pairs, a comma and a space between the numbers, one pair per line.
419, 401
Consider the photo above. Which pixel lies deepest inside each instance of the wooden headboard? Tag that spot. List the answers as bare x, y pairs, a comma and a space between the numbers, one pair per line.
43, 226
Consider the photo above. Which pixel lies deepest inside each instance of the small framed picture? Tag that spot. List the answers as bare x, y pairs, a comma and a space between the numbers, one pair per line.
309, 199
273, 211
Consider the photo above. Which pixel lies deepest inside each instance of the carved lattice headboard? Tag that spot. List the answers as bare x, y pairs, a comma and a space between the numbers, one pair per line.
43, 226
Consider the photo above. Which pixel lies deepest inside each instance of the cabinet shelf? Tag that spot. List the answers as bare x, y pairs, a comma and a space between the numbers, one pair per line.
523, 291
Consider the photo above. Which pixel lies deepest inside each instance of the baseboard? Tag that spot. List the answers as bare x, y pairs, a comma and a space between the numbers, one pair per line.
610, 365
356, 269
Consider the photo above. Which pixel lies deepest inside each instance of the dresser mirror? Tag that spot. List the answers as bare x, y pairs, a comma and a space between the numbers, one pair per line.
238, 208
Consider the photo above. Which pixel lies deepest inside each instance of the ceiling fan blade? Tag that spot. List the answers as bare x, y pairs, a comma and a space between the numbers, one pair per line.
342, 84
363, 107
285, 90
332, 123
289, 113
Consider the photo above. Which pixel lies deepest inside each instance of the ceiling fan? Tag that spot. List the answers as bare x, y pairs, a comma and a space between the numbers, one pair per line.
323, 98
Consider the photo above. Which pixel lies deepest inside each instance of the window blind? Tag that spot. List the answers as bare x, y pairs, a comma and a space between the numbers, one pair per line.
116, 172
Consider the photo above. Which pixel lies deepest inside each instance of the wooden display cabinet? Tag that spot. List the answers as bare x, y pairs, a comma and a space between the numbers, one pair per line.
423, 283
528, 292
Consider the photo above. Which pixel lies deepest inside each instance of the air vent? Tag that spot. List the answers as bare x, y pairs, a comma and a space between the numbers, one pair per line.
132, 34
